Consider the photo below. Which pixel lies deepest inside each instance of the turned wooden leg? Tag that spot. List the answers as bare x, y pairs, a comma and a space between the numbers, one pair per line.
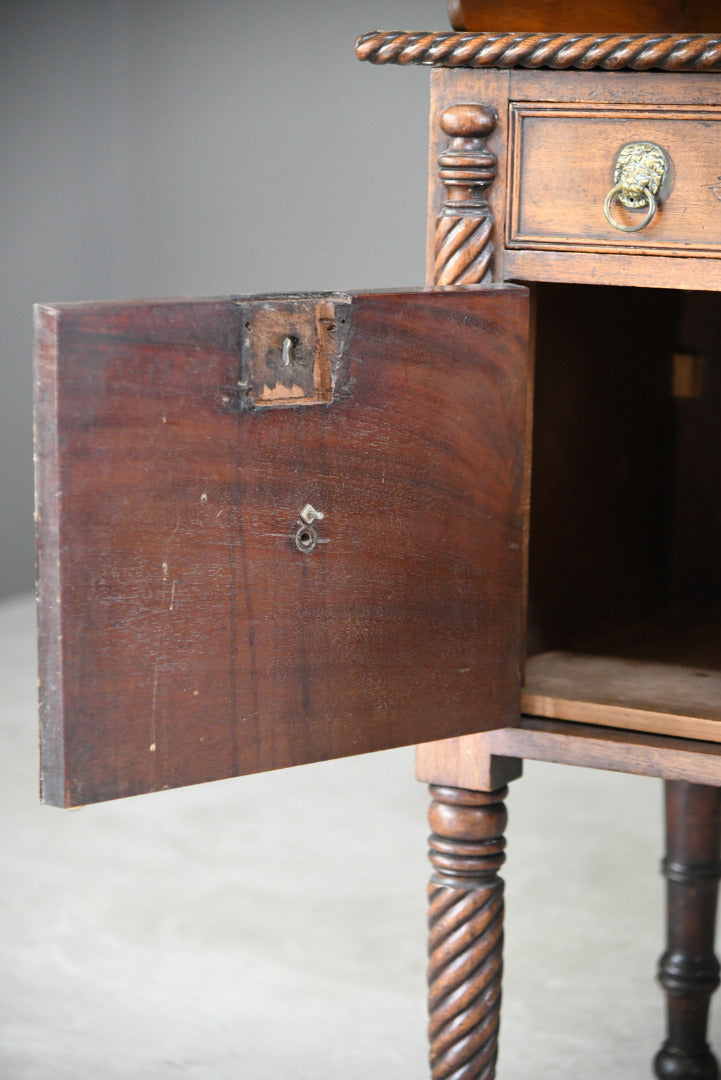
689, 970
466, 931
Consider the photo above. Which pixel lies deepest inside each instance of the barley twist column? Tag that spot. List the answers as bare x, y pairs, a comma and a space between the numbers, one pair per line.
466, 932
464, 228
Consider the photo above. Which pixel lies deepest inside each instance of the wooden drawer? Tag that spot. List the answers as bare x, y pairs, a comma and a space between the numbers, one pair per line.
562, 158
547, 164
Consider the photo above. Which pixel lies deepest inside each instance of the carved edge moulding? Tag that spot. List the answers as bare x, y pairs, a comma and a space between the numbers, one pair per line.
584, 52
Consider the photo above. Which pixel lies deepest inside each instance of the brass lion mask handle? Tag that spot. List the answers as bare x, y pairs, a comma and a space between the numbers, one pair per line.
640, 170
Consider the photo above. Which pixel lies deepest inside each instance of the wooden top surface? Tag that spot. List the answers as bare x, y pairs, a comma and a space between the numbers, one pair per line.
603, 16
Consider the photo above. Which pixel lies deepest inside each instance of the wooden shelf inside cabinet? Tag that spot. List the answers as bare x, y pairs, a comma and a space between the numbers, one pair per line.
662, 677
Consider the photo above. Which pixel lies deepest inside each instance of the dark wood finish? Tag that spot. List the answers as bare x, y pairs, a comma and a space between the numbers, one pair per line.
465, 931
625, 471
603, 461
689, 970
604, 16
625, 577
696, 532
463, 244
624, 521
560, 51
183, 636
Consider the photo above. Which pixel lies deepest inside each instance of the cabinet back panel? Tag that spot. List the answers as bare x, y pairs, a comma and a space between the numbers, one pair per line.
696, 565
603, 459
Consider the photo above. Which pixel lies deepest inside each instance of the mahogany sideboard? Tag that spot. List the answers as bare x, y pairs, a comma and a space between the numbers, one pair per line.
481, 517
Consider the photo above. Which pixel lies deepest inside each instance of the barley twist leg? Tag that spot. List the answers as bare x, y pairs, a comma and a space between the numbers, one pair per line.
466, 932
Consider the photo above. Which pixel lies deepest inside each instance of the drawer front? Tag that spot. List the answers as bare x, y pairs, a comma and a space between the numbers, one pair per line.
562, 160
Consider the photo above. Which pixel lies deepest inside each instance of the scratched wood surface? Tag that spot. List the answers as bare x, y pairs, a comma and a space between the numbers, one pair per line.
183, 636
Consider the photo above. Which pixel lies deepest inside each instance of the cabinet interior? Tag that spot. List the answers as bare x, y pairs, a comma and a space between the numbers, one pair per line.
624, 594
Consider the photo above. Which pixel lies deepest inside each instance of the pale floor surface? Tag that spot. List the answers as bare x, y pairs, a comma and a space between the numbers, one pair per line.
274, 925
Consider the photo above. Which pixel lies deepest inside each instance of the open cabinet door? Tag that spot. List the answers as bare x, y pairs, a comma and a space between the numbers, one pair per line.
275, 530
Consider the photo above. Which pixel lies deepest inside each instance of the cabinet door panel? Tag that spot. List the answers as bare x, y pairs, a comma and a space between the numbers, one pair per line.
198, 618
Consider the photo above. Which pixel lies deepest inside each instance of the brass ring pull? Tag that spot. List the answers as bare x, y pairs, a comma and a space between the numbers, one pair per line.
652, 207
638, 175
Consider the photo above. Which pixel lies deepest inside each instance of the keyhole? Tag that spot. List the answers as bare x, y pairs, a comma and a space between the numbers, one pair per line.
288, 353
305, 538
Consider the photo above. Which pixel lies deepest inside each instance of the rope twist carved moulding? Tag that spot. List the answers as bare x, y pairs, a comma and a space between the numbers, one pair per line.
584, 52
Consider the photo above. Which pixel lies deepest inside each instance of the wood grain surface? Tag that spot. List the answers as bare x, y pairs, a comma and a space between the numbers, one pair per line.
563, 157
663, 698
555, 145
662, 675
183, 635
605, 16
481, 762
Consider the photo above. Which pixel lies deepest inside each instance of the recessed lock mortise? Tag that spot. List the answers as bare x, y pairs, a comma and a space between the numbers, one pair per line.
292, 349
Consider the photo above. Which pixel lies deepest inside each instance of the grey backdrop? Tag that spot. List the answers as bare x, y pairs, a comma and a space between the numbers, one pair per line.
177, 147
